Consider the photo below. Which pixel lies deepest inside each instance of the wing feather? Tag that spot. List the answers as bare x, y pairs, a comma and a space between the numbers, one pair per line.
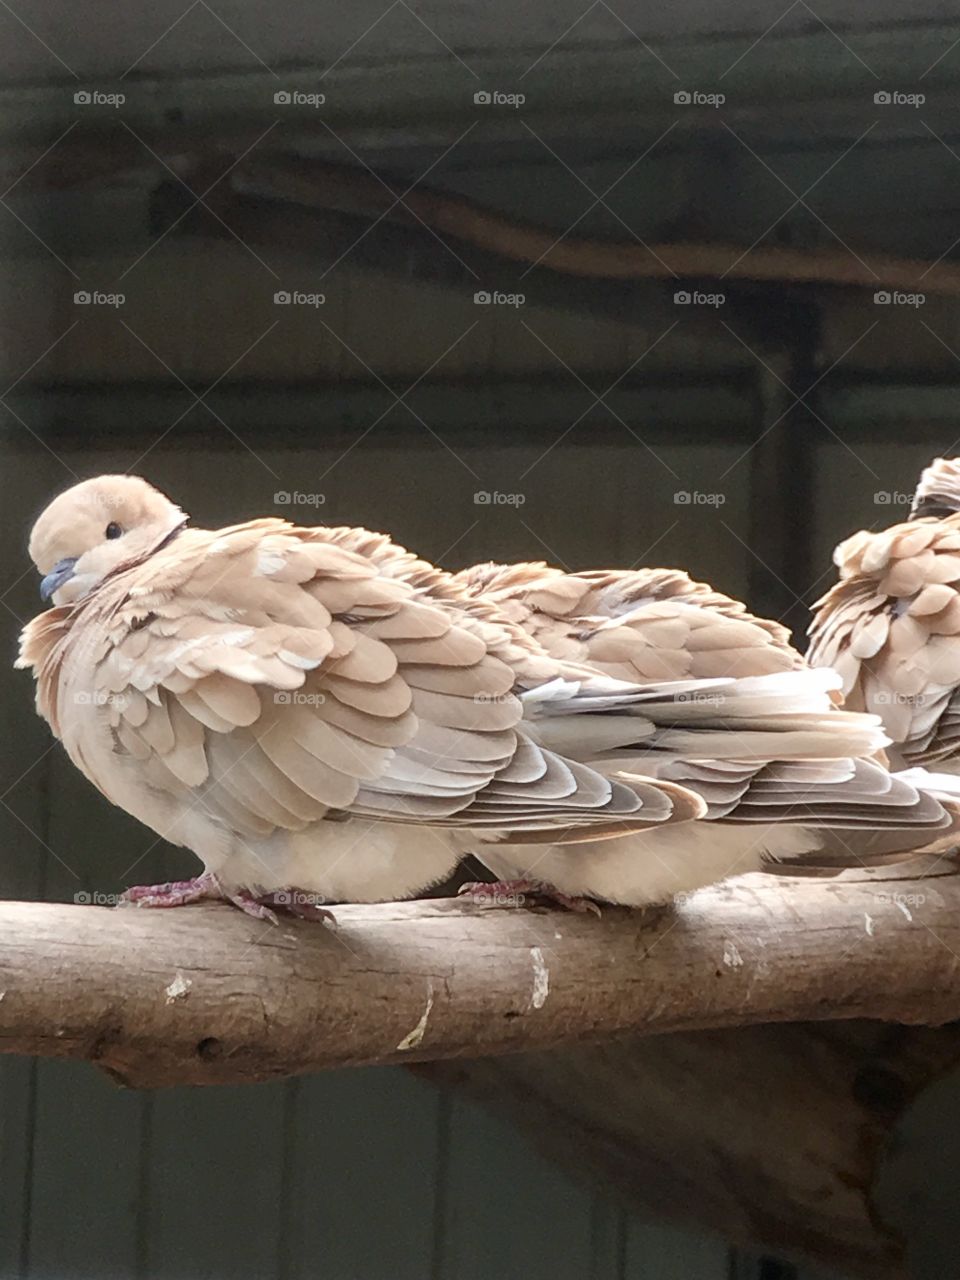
275, 679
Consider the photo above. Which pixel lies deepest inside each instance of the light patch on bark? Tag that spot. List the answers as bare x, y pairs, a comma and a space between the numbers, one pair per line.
868, 924
541, 978
178, 988
732, 957
413, 1038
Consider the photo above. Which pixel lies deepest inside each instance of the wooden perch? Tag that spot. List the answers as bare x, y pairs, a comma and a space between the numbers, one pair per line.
298, 184
205, 995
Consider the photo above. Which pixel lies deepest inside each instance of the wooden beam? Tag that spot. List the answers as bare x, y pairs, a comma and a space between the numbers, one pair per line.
826, 1142
413, 100
204, 995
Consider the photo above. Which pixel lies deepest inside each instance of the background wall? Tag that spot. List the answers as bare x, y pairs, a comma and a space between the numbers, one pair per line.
740, 440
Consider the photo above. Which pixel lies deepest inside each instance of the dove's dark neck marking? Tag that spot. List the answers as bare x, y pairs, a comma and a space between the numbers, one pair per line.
130, 564
935, 505
177, 529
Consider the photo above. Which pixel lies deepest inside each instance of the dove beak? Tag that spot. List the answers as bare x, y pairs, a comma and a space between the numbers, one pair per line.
61, 572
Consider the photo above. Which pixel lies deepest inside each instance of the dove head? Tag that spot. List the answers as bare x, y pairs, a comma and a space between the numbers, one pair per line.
94, 528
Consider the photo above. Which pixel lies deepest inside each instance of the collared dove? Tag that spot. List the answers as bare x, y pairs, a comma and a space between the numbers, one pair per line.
320, 716
891, 625
649, 624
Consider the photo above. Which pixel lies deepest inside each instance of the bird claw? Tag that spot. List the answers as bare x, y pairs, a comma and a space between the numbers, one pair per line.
296, 902
175, 893
514, 893
206, 887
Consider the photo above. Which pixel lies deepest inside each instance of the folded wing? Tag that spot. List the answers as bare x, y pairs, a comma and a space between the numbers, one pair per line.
281, 680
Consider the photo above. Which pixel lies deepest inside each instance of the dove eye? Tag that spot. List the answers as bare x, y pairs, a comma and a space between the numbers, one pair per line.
113, 530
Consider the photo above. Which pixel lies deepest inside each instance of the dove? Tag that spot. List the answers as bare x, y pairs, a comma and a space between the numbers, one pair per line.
891, 624
320, 716
310, 711
654, 624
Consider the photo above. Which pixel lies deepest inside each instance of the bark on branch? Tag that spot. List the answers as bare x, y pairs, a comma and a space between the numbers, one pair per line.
204, 995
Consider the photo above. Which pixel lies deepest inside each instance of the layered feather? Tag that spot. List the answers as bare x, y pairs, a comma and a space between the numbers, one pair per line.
258, 680
891, 628
318, 707
758, 737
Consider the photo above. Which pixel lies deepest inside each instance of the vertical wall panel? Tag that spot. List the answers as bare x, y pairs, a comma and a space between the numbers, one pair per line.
608, 1238
26, 751
87, 1146
364, 1153
213, 1177
509, 1213
658, 1252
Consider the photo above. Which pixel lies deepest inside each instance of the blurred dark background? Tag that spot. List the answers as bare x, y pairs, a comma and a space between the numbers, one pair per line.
273, 305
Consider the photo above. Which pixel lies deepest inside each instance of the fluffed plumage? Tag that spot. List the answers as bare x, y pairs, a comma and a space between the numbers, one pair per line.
654, 624
316, 708
891, 625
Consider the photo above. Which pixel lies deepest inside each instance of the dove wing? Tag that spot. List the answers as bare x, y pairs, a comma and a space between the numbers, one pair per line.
757, 738
282, 679
637, 625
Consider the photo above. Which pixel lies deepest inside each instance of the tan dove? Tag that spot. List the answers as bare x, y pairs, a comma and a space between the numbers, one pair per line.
659, 624
321, 717
891, 625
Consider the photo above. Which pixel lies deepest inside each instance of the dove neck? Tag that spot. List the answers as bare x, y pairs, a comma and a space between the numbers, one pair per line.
169, 537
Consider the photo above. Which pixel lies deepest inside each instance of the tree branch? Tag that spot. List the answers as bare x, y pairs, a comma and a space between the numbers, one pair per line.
205, 995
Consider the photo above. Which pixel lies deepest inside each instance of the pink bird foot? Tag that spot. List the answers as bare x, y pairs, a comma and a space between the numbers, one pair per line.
513, 893
175, 893
206, 887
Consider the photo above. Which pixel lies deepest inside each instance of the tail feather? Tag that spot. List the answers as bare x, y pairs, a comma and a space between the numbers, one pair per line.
784, 716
